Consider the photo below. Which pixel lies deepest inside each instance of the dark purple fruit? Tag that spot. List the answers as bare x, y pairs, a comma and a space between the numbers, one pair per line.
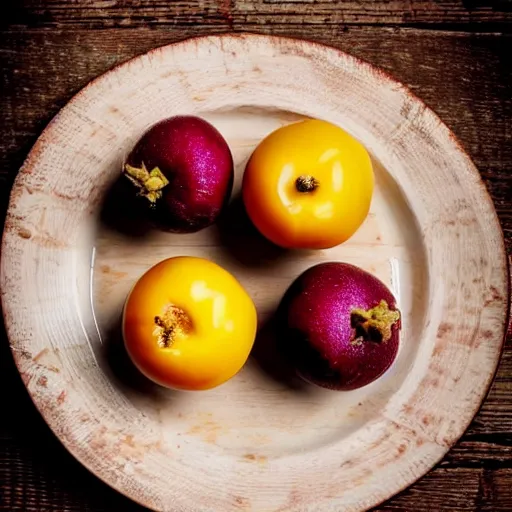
183, 169
339, 326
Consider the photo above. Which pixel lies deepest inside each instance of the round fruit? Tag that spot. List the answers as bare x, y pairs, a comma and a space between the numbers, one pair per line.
188, 324
339, 326
183, 168
308, 185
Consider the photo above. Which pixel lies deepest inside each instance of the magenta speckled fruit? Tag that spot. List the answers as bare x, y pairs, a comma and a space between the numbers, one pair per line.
183, 169
339, 326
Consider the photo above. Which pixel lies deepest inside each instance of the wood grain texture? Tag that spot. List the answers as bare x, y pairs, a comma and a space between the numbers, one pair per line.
467, 14
462, 73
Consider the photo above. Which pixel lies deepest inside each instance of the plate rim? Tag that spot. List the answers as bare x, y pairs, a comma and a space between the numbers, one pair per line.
271, 40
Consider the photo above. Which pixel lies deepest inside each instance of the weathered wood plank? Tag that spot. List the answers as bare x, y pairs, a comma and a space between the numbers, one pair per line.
247, 13
457, 490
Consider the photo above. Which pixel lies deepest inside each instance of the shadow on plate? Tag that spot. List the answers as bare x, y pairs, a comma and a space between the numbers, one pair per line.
241, 240
123, 211
128, 376
269, 359
121, 365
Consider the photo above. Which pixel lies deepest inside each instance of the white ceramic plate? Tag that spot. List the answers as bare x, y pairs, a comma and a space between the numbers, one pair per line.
263, 441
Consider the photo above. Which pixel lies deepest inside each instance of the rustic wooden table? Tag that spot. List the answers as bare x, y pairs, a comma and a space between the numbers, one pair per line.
456, 55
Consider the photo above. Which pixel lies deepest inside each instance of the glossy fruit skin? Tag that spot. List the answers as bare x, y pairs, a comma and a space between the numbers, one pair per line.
219, 335
324, 217
198, 164
315, 332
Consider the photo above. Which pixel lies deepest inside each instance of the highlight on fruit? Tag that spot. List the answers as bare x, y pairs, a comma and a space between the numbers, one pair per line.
182, 169
339, 326
308, 185
188, 324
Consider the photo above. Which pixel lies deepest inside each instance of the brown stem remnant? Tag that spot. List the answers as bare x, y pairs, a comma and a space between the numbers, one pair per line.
373, 324
173, 323
306, 183
150, 184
